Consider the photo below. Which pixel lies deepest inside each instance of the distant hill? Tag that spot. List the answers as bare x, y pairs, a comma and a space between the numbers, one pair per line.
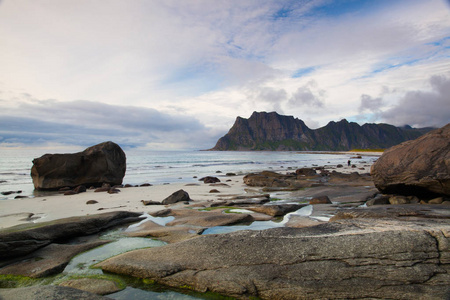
271, 131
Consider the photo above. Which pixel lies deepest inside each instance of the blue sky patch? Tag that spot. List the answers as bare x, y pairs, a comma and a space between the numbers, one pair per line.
342, 7
303, 71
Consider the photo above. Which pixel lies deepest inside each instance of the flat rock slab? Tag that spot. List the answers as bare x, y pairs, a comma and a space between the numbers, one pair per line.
207, 218
169, 234
301, 221
23, 239
48, 292
93, 285
47, 261
338, 193
331, 260
407, 212
276, 210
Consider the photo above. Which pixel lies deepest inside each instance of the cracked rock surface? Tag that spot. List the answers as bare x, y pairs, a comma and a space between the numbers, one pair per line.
353, 258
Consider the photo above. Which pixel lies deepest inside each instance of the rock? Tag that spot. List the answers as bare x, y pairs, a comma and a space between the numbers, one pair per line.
11, 192
301, 221
230, 174
306, 172
214, 191
161, 213
277, 210
353, 178
378, 200
399, 200
102, 189
23, 239
219, 203
354, 259
267, 179
207, 218
91, 202
420, 167
105, 162
209, 179
248, 201
411, 212
113, 191
145, 184
168, 234
438, 200
320, 200
69, 193
413, 199
339, 166
47, 292
47, 261
93, 285
219, 184
150, 202
80, 189
178, 196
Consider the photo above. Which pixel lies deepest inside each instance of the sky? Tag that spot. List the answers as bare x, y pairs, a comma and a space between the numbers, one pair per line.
172, 74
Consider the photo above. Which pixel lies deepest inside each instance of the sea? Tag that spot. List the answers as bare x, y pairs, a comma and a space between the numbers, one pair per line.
162, 167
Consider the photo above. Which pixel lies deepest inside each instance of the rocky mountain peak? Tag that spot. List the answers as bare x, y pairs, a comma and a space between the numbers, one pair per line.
272, 131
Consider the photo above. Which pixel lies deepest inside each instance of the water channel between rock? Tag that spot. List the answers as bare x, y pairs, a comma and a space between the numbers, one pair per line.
81, 265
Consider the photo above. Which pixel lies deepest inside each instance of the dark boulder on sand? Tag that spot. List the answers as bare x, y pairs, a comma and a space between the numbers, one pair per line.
178, 196
209, 179
102, 163
420, 167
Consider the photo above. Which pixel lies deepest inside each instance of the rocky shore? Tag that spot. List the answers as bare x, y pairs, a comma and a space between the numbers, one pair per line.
330, 233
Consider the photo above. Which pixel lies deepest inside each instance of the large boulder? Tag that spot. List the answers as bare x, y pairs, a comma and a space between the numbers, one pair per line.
102, 163
420, 167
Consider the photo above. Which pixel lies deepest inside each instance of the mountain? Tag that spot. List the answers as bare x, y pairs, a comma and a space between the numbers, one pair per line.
271, 131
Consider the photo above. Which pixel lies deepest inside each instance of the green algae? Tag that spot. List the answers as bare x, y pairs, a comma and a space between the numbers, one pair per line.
16, 281
216, 208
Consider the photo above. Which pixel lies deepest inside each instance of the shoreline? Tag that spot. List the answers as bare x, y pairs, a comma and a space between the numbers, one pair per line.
365, 153
52, 207
180, 167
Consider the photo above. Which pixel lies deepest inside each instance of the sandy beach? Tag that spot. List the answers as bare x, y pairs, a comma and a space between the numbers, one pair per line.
48, 208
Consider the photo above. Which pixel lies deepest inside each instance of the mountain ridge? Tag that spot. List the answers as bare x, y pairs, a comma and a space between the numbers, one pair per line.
275, 132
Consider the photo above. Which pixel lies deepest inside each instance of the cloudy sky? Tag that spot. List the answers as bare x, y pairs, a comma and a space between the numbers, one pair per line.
175, 74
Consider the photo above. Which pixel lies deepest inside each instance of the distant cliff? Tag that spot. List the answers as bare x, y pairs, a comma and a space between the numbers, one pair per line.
271, 131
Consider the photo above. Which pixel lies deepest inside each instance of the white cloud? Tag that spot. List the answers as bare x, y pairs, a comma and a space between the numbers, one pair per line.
422, 108
210, 61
